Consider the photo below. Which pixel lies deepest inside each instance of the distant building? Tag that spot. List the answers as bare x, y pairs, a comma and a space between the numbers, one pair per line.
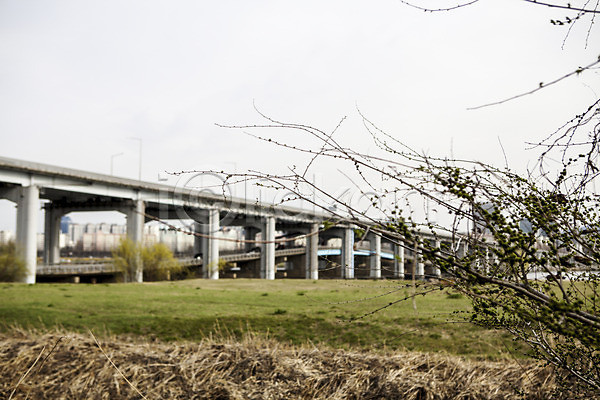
480, 219
65, 221
103, 227
100, 241
62, 241
74, 234
90, 228
6, 236
104, 237
118, 229
234, 234
40, 242
176, 241
526, 226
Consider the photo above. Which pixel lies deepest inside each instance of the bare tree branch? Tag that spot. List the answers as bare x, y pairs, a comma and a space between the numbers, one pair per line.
567, 7
540, 86
426, 9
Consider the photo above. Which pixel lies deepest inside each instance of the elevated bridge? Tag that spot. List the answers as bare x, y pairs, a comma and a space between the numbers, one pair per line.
68, 190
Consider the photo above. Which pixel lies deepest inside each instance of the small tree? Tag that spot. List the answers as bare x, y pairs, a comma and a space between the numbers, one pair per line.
12, 267
127, 258
159, 263
155, 263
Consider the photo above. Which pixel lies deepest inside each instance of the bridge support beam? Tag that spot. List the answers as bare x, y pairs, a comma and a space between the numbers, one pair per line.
436, 269
28, 199
207, 245
312, 252
250, 234
211, 245
135, 231
197, 228
267, 255
420, 270
348, 253
398, 261
463, 249
52, 235
375, 257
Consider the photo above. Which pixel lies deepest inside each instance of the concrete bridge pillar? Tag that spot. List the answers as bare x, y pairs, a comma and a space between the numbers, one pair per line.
135, 231
207, 245
420, 270
250, 234
463, 249
135, 221
28, 199
197, 228
312, 252
267, 255
348, 253
418, 266
375, 257
398, 261
211, 246
52, 235
436, 269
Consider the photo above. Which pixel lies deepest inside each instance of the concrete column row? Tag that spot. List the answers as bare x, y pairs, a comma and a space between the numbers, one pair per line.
27, 199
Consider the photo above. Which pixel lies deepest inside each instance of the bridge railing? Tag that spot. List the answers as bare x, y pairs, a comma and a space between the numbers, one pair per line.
76, 269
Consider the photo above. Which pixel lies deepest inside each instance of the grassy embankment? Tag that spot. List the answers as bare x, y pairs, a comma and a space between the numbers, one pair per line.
291, 311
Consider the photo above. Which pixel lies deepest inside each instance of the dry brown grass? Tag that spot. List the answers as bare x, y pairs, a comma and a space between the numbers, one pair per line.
74, 367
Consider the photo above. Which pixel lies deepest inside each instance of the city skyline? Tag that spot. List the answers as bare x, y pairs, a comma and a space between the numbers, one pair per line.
103, 237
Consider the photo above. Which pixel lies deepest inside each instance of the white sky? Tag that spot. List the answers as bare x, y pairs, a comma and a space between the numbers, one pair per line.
78, 79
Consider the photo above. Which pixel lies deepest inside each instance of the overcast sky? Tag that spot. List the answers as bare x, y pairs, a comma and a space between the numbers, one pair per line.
80, 79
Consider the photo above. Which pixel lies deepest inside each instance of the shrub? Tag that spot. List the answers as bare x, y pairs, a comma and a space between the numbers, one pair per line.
126, 257
12, 266
159, 263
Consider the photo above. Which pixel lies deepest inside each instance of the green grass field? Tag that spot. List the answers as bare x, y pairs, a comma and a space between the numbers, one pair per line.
293, 311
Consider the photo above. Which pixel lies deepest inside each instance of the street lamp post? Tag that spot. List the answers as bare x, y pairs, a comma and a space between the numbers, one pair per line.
140, 157
112, 159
